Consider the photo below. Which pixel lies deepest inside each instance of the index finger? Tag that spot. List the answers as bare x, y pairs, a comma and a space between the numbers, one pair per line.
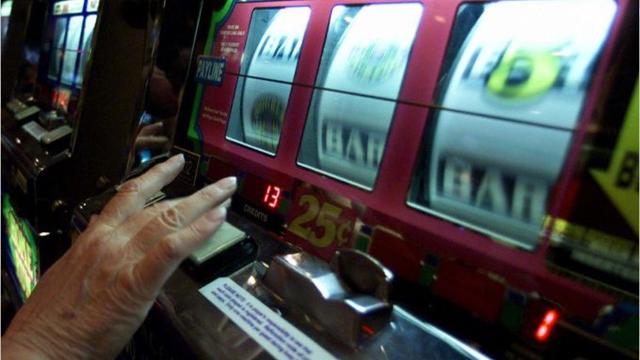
134, 193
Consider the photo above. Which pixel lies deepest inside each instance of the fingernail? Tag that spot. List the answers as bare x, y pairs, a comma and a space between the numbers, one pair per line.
177, 160
228, 183
217, 214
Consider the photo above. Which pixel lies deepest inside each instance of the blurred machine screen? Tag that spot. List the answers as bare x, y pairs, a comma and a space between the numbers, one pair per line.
85, 50
57, 47
71, 30
71, 49
510, 103
270, 61
22, 251
360, 75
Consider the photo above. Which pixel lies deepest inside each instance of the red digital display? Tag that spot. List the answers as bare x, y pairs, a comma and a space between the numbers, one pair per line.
262, 192
272, 196
544, 329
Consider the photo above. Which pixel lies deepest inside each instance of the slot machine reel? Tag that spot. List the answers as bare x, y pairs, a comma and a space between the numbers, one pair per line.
494, 170
276, 57
370, 63
349, 299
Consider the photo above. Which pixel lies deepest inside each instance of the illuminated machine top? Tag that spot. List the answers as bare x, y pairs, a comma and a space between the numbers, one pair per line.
406, 132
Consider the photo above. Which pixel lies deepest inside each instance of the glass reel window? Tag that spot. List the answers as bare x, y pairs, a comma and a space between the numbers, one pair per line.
513, 88
71, 49
85, 49
361, 71
269, 64
57, 51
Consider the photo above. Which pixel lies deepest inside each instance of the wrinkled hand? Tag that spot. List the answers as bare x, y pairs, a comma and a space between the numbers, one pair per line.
89, 304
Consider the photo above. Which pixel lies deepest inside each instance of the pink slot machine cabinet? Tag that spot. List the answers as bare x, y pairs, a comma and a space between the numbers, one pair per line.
484, 152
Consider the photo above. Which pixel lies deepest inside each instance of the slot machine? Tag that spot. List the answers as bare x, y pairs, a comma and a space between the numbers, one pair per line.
63, 139
483, 155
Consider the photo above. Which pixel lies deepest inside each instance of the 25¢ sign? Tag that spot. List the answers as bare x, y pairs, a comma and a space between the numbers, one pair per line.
319, 223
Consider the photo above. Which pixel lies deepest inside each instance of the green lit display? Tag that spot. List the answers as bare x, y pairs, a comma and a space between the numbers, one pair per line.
22, 249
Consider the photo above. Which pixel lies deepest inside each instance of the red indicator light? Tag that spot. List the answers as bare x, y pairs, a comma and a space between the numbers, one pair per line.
550, 317
367, 330
543, 332
544, 329
272, 196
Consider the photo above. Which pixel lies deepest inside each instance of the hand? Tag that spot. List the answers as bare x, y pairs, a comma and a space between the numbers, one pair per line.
89, 304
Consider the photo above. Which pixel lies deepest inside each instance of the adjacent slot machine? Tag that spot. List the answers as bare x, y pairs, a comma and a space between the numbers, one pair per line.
57, 152
36, 130
44, 102
64, 50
